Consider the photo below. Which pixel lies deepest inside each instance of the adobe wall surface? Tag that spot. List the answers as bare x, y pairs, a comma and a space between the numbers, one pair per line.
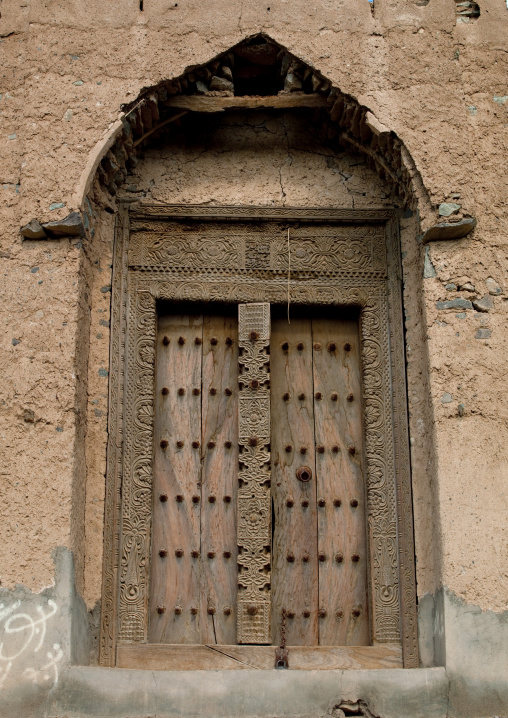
440, 86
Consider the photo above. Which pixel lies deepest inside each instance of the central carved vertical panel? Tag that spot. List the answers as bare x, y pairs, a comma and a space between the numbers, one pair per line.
254, 508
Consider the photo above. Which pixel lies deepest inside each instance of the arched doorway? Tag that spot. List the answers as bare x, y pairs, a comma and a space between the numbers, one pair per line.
356, 271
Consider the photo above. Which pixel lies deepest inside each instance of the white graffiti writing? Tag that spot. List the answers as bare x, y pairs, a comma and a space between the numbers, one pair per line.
22, 637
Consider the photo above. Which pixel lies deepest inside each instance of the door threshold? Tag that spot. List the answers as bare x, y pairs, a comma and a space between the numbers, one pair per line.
170, 657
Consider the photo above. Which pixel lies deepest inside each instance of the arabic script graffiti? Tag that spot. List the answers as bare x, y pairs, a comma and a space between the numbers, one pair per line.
22, 641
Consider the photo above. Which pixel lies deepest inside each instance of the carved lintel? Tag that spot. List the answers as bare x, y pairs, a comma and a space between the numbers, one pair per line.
145, 210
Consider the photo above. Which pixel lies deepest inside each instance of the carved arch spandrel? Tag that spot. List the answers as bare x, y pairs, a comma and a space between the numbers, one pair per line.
391, 580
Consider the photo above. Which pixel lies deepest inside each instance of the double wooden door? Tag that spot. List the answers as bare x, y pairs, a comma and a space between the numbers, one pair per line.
318, 555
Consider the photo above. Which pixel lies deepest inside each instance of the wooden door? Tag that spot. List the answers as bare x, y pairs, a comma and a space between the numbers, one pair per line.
319, 552
319, 532
193, 567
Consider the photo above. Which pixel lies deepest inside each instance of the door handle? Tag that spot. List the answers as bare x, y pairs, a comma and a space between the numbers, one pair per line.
304, 473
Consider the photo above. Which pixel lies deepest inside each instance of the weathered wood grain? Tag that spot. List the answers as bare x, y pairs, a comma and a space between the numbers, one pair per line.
161, 657
319, 657
316, 423
219, 479
182, 658
295, 572
200, 103
175, 581
341, 528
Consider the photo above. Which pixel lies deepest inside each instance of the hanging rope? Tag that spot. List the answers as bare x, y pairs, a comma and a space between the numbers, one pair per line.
289, 276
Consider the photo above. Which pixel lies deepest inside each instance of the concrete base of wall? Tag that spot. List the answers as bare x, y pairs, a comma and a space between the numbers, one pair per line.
472, 644
98, 692
40, 635
45, 637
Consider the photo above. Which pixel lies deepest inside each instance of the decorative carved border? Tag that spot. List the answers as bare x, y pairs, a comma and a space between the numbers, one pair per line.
145, 210
254, 594
402, 453
114, 451
392, 592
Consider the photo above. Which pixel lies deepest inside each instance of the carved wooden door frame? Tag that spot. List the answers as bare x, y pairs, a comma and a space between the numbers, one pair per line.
362, 269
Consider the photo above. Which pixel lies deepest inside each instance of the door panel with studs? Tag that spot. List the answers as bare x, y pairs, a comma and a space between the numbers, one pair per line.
176, 537
318, 552
295, 570
342, 551
319, 532
219, 479
194, 572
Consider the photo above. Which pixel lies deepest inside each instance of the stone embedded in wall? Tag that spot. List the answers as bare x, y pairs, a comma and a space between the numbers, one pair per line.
29, 416
485, 304
429, 271
227, 73
449, 230
374, 125
454, 304
292, 83
201, 88
221, 84
344, 709
33, 230
70, 226
446, 209
493, 287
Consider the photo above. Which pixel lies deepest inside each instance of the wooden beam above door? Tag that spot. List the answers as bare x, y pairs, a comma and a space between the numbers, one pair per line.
202, 103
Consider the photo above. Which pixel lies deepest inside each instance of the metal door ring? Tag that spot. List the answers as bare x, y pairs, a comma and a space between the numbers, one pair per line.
304, 473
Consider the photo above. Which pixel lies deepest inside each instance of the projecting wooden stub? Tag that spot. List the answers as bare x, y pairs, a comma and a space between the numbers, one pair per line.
254, 514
